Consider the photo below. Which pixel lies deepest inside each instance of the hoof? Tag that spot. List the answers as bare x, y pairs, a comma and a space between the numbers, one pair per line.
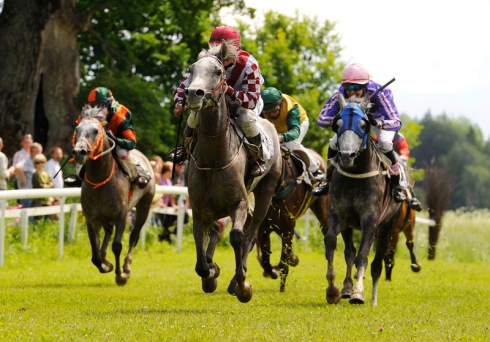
122, 279
106, 268
244, 293
356, 298
416, 267
346, 293
293, 260
209, 285
333, 295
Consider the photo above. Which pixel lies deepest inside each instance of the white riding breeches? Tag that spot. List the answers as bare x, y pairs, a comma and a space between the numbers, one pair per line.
296, 145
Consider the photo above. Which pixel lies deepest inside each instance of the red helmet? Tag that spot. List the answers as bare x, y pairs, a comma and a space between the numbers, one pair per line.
224, 32
355, 73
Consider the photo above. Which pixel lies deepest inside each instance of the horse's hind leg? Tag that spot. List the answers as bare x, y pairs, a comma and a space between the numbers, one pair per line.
288, 258
264, 252
99, 256
409, 234
389, 258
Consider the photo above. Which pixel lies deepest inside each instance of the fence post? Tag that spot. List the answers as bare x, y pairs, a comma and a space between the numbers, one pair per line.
180, 221
24, 226
3, 205
73, 222
61, 232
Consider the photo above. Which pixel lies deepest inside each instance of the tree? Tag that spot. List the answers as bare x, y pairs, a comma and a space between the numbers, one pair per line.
148, 41
301, 57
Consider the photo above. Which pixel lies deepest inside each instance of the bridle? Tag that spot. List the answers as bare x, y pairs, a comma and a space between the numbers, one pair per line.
96, 150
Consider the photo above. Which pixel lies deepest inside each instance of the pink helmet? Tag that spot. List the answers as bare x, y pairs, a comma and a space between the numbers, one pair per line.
224, 32
355, 73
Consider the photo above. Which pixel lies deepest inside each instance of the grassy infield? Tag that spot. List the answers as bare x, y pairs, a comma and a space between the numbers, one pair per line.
43, 298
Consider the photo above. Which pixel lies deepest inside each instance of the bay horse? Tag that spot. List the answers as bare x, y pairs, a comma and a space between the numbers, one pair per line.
291, 200
405, 223
360, 198
218, 179
106, 194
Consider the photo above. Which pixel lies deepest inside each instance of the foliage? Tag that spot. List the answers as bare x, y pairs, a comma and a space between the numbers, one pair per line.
163, 300
456, 145
300, 56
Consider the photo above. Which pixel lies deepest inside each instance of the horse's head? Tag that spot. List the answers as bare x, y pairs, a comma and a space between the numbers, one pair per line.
89, 134
207, 78
352, 128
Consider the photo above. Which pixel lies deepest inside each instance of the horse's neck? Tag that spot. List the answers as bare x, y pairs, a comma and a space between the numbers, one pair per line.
94, 167
216, 141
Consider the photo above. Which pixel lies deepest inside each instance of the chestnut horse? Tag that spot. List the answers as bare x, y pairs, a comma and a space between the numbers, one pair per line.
290, 202
405, 223
107, 195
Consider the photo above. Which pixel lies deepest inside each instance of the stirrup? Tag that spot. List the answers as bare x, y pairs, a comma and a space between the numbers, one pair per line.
415, 204
179, 155
321, 189
258, 168
141, 182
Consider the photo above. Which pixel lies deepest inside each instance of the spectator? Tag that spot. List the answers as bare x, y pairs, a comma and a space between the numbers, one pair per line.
25, 170
164, 220
20, 156
41, 180
53, 167
4, 171
157, 164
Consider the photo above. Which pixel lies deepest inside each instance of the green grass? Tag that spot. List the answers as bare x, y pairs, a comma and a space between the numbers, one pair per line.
45, 299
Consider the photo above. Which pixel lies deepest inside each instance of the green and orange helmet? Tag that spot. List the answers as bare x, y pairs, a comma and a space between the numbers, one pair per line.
100, 95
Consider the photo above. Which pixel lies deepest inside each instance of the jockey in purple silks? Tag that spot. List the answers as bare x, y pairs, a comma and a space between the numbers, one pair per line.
355, 82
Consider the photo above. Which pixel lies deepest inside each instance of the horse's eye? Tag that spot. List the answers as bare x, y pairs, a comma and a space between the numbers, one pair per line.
362, 126
219, 73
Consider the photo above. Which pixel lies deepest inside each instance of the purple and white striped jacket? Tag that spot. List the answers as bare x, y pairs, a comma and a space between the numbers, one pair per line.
383, 109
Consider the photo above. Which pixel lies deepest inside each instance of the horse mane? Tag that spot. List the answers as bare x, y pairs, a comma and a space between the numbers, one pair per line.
93, 112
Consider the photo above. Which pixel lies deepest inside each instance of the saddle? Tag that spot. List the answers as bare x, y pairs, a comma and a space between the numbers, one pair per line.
301, 161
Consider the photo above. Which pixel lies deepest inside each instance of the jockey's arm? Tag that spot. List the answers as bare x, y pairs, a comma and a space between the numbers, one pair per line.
249, 95
293, 123
328, 112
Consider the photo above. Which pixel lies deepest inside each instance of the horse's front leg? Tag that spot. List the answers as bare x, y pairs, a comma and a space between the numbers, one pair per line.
238, 285
349, 255
288, 258
210, 285
99, 255
368, 234
409, 235
203, 269
264, 250
121, 277
330, 240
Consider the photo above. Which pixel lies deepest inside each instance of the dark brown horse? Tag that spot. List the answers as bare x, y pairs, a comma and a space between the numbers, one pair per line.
290, 202
217, 175
405, 223
107, 195
360, 198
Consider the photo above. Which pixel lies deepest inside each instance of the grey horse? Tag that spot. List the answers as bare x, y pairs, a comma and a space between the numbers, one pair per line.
217, 175
360, 198
107, 195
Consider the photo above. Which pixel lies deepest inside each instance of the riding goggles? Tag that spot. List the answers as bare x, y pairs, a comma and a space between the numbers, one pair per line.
353, 87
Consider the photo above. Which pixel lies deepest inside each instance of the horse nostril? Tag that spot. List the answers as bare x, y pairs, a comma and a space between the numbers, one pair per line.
352, 155
200, 92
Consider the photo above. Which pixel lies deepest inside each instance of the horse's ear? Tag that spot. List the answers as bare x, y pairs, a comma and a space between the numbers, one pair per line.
224, 50
341, 100
366, 102
202, 53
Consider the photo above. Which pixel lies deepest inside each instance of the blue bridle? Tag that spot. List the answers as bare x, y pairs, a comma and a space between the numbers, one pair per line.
351, 115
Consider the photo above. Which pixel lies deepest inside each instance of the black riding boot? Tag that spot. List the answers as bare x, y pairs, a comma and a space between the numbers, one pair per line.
259, 166
414, 202
75, 181
324, 187
179, 154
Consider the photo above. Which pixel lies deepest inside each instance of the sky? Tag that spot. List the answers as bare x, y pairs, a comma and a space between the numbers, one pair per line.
438, 51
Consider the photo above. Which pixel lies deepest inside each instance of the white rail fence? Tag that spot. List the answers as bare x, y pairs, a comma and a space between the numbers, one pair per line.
24, 214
